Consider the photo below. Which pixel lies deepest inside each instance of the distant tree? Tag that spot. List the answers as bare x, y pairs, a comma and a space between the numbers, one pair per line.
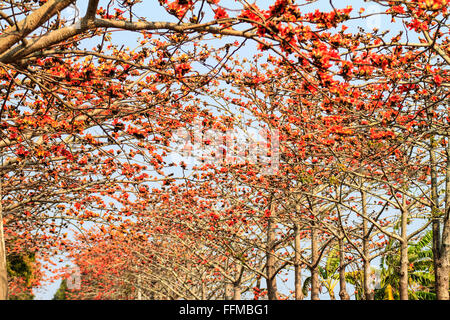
61, 293
23, 275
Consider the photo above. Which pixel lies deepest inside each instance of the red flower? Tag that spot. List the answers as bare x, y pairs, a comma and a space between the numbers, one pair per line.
220, 13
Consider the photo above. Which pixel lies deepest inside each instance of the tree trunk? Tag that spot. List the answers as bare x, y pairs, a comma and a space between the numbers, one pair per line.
440, 245
139, 288
237, 283
404, 261
442, 261
332, 296
442, 278
314, 269
404, 271
368, 290
228, 294
3, 269
272, 291
236, 292
342, 284
297, 264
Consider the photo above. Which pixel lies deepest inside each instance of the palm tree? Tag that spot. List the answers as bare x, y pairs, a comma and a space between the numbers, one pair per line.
421, 277
420, 256
356, 279
328, 275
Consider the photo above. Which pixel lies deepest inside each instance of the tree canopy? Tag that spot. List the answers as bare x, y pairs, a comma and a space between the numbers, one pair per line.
219, 148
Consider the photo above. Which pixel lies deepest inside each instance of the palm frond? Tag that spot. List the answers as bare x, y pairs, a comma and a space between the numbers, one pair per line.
306, 286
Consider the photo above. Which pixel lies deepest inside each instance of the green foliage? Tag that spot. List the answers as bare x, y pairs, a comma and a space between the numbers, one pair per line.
61, 293
22, 296
332, 264
355, 278
421, 274
306, 286
20, 268
328, 274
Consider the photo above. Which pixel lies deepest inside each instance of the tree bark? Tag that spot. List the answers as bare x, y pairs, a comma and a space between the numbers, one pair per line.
440, 245
403, 285
404, 261
139, 288
315, 286
342, 284
3, 268
237, 283
442, 278
228, 294
442, 263
272, 291
236, 292
332, 296
297, 264
368, 290
232, 291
